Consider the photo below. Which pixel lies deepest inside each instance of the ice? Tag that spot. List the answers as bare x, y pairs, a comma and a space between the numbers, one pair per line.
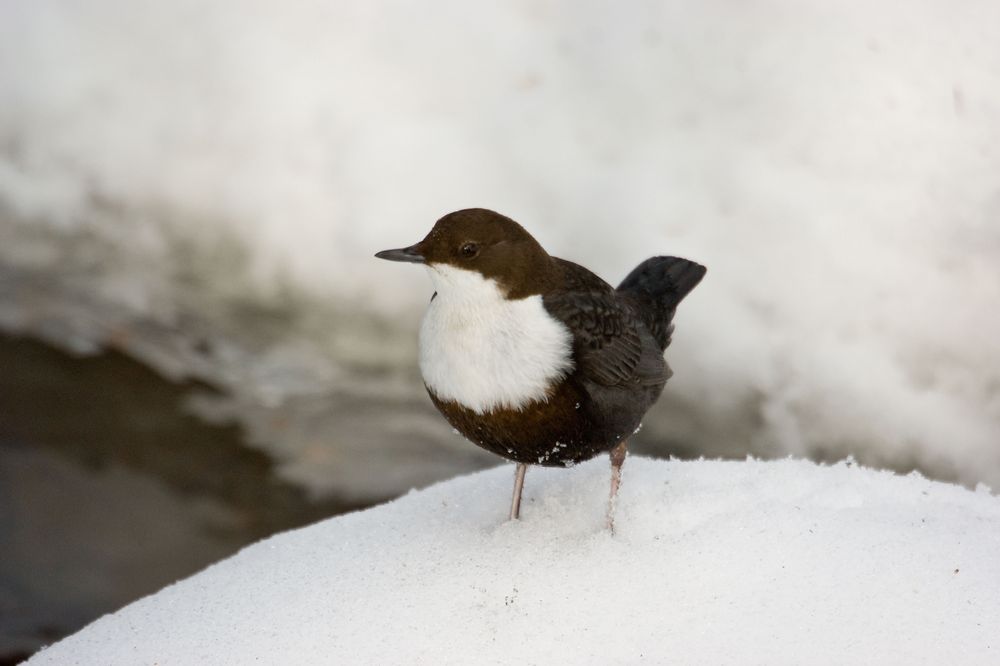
711, 562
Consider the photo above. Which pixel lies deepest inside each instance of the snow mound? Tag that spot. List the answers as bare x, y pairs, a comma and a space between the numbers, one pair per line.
711, 562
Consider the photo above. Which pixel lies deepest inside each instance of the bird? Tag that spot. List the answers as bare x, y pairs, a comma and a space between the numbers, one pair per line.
536, 358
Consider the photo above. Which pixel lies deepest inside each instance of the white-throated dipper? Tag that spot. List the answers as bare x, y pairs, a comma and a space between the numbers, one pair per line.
533, 357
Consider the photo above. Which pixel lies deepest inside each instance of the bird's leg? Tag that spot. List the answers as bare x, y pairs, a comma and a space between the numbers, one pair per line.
617, 458
515, 502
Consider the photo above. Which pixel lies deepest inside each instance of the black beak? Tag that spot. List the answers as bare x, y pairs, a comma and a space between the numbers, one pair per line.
409, 254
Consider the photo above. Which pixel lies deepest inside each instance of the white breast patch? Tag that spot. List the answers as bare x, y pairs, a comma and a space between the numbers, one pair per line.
483, 351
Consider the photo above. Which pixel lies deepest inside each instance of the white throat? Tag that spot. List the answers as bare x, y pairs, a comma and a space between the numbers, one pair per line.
486, 352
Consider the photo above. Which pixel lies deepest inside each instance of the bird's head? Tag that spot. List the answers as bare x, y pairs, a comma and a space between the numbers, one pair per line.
476, 242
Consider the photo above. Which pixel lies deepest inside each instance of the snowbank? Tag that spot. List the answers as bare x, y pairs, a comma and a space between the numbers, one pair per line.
712, 562
194, 163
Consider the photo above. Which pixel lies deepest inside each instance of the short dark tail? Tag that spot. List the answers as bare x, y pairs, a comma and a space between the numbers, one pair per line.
659, 284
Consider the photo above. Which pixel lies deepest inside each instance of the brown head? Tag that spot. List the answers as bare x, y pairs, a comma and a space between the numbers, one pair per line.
480, 240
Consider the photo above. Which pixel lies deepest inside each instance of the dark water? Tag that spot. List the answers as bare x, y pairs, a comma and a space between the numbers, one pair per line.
109, 490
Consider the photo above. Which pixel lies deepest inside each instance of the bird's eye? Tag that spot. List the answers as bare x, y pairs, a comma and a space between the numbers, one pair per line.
469, 250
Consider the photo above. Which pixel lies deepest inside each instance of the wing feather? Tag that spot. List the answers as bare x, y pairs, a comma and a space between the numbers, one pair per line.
612, 346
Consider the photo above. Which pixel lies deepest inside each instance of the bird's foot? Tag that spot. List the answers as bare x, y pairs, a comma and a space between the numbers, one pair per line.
617, 459
515, 502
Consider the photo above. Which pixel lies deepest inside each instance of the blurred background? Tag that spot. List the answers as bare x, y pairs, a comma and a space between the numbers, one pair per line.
197, 348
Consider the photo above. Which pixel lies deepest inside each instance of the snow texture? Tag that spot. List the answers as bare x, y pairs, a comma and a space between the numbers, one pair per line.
190, 163
712, 562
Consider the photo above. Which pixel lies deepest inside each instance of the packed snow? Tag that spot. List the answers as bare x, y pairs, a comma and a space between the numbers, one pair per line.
711, 563
203, 183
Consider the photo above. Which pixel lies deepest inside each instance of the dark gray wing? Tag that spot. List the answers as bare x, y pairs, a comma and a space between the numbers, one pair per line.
611, 345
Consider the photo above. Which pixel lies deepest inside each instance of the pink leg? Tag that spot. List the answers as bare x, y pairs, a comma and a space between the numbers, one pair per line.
515, 502
617, 459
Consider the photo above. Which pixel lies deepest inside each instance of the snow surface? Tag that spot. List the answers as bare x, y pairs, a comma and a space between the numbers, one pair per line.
833, 164
712, 562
